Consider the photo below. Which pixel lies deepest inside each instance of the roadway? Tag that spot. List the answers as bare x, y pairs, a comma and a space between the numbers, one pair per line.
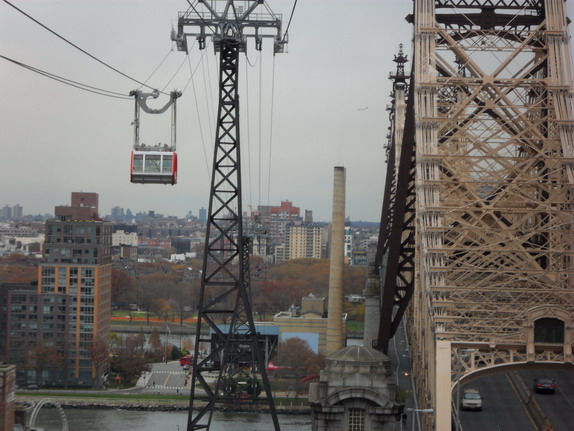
503, 410
168, 378
557, 407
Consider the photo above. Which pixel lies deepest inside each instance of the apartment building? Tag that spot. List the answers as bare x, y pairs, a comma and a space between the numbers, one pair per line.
56, 333
75, 283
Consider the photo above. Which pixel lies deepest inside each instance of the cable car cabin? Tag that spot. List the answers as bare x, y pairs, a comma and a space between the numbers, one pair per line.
154, 167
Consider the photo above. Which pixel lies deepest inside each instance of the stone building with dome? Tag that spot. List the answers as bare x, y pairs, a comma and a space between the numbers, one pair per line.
354, 393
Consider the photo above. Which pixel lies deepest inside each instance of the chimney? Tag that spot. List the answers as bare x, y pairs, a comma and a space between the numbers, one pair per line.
335, 330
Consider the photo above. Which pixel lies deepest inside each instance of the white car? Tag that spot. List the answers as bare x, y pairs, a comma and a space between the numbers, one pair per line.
471, 400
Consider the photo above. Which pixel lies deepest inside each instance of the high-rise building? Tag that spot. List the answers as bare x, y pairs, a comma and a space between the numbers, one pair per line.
17, 212
21, 322
202, 215
6, 212
117, 214
75, 288
348, 250
273, 220
303, 241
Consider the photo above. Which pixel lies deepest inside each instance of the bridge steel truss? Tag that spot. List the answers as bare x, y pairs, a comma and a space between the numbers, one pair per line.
491, 98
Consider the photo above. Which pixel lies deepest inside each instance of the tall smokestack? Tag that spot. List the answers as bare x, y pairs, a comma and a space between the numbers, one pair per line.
335, 330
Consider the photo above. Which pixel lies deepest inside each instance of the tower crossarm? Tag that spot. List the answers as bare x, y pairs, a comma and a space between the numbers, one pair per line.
225, 20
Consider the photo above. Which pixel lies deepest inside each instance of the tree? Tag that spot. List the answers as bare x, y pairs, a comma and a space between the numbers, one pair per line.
100, 351
296, 354
44, 358
154, 339
155, 290
287, 283
125, 291
158, 349
140, 339
127, 359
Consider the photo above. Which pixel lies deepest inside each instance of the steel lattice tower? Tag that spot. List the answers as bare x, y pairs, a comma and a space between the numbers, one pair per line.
225, 320
478, 230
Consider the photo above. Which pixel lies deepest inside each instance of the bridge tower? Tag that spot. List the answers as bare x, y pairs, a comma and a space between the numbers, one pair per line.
225, 320
477, 228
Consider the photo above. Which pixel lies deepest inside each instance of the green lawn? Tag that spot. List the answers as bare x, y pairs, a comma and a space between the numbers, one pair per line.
301, 401
355, 326
101, 395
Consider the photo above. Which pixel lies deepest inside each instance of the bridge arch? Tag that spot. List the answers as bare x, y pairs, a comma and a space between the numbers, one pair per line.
54, 403
510, 367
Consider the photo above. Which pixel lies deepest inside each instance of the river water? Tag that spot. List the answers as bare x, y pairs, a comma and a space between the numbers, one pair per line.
128, 420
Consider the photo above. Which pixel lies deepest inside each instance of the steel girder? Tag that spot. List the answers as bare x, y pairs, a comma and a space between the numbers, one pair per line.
225, 321
495, 171
396, 247
494, 123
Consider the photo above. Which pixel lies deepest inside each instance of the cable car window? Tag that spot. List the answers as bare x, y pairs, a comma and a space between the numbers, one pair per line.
152, 163
138, 163
167, 163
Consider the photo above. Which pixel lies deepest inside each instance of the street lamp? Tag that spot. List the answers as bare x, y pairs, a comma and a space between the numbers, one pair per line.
419, 411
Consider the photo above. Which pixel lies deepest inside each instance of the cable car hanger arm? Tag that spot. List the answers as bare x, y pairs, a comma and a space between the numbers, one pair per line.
141, 99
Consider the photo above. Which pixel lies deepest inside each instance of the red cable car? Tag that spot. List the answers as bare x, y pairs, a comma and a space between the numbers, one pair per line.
153, 164
154, 167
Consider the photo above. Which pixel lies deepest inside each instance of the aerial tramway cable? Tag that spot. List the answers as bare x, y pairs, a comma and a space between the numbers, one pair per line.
271, 131
67, 81
192, 73
249, 153
76, 46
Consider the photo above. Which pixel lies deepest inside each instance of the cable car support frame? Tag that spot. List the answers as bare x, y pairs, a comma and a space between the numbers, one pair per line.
225, 319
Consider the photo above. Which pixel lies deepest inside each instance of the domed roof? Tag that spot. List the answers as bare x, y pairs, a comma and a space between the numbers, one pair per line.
358, 354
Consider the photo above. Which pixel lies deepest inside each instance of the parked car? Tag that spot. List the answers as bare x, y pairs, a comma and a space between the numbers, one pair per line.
471, 400
544, 385
32, 387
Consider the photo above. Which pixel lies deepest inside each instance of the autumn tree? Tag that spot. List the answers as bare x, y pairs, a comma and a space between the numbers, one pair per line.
154, 339
128, 359
296, 354
140, 339
287, 283
44, 358
124, 289
154, 287
100, 352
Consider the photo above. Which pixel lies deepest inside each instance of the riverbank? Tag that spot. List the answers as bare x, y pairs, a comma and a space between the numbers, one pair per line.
155, 403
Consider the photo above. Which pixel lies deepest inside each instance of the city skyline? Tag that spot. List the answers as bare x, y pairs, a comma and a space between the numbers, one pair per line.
195, 212
60, 135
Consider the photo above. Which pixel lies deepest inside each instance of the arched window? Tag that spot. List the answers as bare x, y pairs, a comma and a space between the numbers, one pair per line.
549, 330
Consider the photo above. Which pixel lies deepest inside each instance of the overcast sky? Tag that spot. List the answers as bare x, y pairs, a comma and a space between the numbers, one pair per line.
329, 91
